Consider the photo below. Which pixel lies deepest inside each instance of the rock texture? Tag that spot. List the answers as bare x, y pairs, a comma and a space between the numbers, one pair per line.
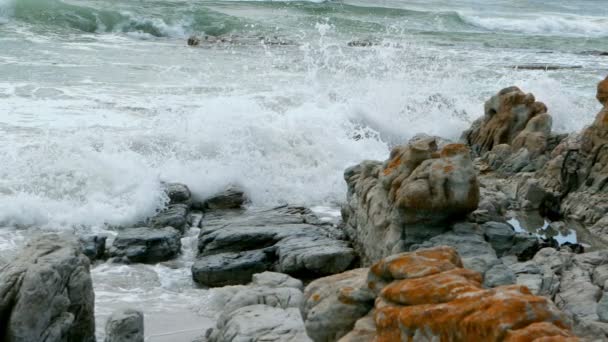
146, 245
125, 326
235, 245
577, 174
46, 293
409, 198
426, 296
265, 310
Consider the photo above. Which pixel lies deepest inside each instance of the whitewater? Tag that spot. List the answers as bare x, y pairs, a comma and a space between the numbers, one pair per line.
101, 101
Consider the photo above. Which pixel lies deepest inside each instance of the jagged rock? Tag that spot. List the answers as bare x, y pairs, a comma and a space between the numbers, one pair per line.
333, 304
231, 198
408, 199
178, 193
125, 326
146, 245
93, 246
507, 114
577, 174
600, 275
531, 194
292, 245
602, 92
46, 293
525, 246
194, 41
231, 268
175, 215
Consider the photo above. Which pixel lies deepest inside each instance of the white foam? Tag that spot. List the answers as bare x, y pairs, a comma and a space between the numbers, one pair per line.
543, 24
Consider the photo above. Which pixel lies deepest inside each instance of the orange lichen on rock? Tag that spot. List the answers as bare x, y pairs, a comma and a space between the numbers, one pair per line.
485, 315
452, 150
392, 165
417, 264
435, 289
537, 332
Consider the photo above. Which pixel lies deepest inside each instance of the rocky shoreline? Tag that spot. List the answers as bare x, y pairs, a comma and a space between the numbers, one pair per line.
426, 249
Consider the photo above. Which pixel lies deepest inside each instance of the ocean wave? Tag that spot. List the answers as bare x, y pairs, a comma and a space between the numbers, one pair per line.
543, 25
57, 13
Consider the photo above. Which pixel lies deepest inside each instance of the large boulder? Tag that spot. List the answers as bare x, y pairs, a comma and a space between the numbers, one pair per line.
235, 245
146, 245
409, 198
514, 135
46, 293
265, 310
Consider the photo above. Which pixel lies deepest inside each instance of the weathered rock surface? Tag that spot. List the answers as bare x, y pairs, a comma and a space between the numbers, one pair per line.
125, 326
232, 198
233, 246
333, 304
46, 293
408, 199
178, 193
175, 215
426, 296
259, 312
577, 174
146, 245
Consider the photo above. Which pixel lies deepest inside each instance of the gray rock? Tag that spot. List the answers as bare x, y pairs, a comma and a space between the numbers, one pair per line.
293, 246
175, 215
499, 235
475, 252
146, 245
231, 198
46, 293
125, 326
578, 296
525, 246
533, 193
178, 193
498, 275
260, 323
274, 279
231, 268
600, 275
333, 304
279, 297
602, 307
93, 246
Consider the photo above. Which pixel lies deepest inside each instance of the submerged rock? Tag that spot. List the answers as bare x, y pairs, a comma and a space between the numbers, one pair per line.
46, 293
146, 245
125, 326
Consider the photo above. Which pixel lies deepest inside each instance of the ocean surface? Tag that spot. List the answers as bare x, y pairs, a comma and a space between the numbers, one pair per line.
102, 100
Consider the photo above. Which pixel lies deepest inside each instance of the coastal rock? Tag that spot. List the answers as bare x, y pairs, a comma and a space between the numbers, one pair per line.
602, 92
259, 312
125, 326
333, 304
46, 293
175, 215
280, 239
499, 235
260, 323
178, 193
231, 268
193, 41
231, 198
498, 275
93, 246
408, 199
426, 295
507, 114
577, 174
602, 307
146, 245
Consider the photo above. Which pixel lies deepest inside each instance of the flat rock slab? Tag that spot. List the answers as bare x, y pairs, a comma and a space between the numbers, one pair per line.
233, 245
175, 215
146, 245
